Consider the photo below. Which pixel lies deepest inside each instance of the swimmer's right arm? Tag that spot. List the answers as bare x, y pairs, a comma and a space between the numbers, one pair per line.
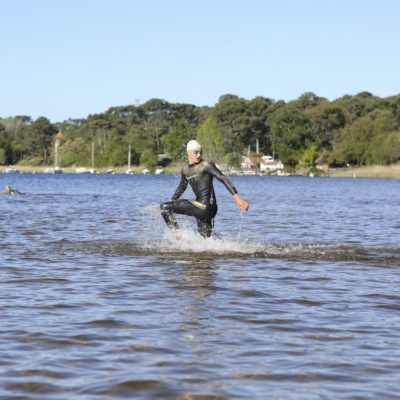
181, 188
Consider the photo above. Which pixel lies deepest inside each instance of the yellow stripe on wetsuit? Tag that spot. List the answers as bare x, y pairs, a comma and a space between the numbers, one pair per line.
197, 204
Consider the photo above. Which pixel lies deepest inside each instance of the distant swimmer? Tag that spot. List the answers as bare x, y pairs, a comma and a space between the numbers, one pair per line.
199, 174
11, 191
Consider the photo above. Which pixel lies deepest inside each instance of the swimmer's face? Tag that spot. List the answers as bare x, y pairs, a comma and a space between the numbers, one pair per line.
194, 156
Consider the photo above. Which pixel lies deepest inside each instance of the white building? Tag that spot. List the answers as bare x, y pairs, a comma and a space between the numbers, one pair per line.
265, 163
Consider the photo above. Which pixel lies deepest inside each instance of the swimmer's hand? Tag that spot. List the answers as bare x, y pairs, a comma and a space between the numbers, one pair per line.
242, 204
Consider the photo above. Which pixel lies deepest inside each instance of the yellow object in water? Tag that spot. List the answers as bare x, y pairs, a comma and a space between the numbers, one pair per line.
11, 191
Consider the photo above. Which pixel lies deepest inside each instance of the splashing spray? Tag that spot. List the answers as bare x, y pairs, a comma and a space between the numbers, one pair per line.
241, 225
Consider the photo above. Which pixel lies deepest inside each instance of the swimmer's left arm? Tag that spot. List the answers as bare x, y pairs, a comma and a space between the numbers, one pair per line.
214, 171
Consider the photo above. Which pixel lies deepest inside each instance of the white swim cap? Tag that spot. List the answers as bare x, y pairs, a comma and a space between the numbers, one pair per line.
193, 145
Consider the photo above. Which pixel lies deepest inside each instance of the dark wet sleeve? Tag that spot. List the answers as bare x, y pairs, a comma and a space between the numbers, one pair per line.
181, 188
216, 173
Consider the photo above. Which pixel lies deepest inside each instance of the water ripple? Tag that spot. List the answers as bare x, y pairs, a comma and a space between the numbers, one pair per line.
298, 298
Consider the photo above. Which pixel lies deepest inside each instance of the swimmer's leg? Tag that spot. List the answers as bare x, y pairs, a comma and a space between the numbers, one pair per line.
168, 214
205, 227
205, 224
182, 206
204, 216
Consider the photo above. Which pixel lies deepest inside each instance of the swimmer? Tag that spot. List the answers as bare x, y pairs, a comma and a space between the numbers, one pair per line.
11, 191
199, 174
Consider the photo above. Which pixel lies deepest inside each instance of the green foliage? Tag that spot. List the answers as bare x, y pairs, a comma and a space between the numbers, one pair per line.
360, 129
309, 157
32, 162
359, 105
260, 111
4, 145
119, 155
353, 143
74, 152
293, 135
176, 139
210, 137
388, 150
35, 139
149, 159
234, 159
363, 142
308, 101
140, 139
231, 113
3, 156
326, 120
3, 138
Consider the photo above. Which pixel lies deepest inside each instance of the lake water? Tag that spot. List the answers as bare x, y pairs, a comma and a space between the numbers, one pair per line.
297, 299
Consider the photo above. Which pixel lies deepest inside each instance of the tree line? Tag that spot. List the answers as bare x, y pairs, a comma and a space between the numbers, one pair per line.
358, 130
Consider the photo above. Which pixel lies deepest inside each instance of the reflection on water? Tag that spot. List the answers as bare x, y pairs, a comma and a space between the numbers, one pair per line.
296, 299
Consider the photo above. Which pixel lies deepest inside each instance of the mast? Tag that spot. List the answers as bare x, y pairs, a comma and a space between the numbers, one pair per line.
129, 158
92, 155
57, 143
56, 156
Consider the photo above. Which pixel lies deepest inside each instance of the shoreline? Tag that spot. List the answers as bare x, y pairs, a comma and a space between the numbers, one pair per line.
376, 171
72, 170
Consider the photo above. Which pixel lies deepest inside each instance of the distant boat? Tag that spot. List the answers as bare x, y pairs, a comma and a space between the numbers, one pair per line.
146, 171
110, 172
129, 171
55, 170
159, 170
82, 170
11, 170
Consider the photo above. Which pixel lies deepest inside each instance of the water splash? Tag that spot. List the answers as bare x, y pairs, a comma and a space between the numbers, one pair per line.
241, 225
190, 241
155, 239
152, 223
192, 244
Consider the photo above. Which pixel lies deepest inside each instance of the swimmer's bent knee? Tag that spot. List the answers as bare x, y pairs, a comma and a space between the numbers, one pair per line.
165, 207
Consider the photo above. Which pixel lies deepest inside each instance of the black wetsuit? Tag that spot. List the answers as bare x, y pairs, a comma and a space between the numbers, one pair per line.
204, 208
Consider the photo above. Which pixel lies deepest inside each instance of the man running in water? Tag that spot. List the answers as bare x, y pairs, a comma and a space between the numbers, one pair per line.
200, 175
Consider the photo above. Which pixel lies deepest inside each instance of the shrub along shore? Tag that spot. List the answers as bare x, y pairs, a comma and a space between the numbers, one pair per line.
373, 171
361, 130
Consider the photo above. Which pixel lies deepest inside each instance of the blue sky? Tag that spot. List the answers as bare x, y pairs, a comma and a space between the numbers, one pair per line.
67, 59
